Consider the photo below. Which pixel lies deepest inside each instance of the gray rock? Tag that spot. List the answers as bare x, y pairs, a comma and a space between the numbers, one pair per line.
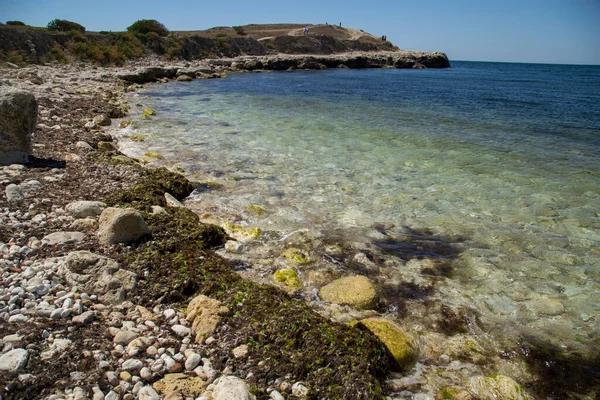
14, 360
231, 388
84, 209
192, 361
18, 117
146, 374
14, 193
124, 337
181, 330
148, 393
17, 318
84, 147
102, 120
149, 74
63, 238
111, 396
85, 318
121, 225
299, 390
172, 201
97, 275
132, 365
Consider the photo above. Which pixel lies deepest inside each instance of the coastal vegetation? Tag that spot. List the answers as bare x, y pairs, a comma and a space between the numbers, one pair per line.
62, 25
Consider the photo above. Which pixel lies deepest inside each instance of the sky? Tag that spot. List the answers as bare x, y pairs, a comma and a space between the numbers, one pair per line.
538, 31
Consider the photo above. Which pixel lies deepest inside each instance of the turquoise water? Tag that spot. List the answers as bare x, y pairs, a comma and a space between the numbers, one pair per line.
500, 160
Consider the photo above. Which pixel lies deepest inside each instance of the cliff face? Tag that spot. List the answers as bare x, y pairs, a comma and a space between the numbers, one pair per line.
33, 45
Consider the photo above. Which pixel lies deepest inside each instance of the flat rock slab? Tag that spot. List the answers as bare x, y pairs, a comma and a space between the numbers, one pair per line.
84, 209
63, 238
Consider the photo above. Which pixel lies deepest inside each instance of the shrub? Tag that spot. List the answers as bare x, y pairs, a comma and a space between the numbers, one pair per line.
62, 25
15, 23
144, 26
55, 53
239, 30
15, 57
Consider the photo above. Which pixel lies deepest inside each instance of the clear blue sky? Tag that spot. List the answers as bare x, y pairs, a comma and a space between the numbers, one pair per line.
552, 31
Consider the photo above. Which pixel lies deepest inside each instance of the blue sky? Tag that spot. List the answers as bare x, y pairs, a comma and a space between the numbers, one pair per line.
552, 31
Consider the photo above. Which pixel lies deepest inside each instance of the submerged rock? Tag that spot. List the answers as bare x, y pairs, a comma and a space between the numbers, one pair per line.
496, 387
355, 291
288, 277
403, 347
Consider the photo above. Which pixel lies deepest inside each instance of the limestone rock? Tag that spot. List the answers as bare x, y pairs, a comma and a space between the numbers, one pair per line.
14, 360
84, 209
149, 74
148, 393
99, 275
355, 291
84, 225
124, 337
185, 78
231, 388
18, 116
102, 120
121, 225
187, 385
172, 201
403, 347
496, 387
63, 238
14, 193
205, 314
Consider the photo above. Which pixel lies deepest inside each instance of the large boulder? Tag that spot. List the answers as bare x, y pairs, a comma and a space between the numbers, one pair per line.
121, 225
496, 387
18, 116
149, 74
355, 291
205, 314
95, 274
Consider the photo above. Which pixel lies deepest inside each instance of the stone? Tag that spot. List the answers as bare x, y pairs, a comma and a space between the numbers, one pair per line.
146, 374
57, 238
204, 314
18, 117
14, 193
172, 201
355, 291
187, 385
84, 209
496, 387
192, 361
181, 330
230, 387
85, 318
124, 337
148, 393
95, 274
240, 351
121, 225
549, 307
102, 120
185, 78
403, 347
288, 277
84, 225
299, 390
14, 360
132, 365
84, 147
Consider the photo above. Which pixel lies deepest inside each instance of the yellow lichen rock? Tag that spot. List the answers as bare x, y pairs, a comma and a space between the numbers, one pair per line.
186, 385
288, 277
403, 346
496, 387
205, 314
295, 257
355, 291
242, 233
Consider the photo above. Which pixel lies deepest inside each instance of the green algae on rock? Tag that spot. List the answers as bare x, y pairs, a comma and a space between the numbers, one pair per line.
295, 257
288, 277
355, 291
147, 113
242, 233
403, 347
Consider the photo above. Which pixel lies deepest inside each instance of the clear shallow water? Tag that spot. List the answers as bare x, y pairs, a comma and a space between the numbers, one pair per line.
505, 156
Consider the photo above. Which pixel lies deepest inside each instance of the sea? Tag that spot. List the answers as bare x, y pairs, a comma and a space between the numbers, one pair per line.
474, 189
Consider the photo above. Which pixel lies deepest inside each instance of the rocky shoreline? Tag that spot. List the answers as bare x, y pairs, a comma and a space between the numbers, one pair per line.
86, 317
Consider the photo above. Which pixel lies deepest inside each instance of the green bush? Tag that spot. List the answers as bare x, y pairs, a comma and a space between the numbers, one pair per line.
56, 53
144, 26
62, 25
15, 23
239, 30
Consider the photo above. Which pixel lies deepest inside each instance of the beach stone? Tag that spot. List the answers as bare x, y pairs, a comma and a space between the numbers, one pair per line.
181, 331
95, 274
85, 318
496, 387
188, 386
299, 390
231, 388
14, 193
240, 351
355, 291
148, 393
84, 147
132, 365
124, 337
18, 117
185, 78
14, 360
204, 314
146, 374
172, 201
63, 238
84, 209
288, 277
549, 307
84, 224
403, 346
121, 225
102, 120
192, 361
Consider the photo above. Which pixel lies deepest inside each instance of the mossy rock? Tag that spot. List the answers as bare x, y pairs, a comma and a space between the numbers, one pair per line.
242, 233
288, 277
295, 257
403, 346
107, 146
256, 210
153, 154
355, 291
496, 387
125, 123
147, 113
137, 138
